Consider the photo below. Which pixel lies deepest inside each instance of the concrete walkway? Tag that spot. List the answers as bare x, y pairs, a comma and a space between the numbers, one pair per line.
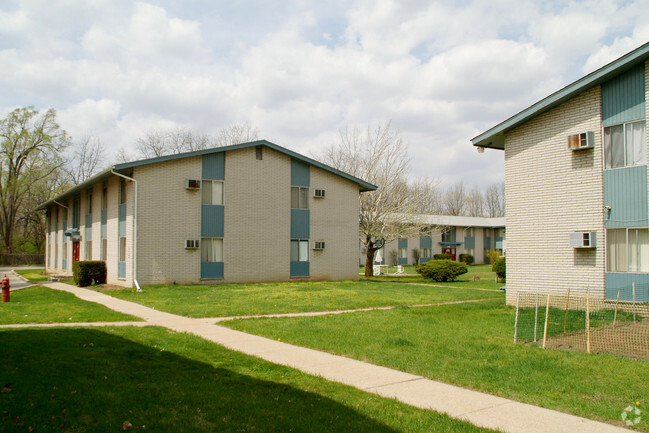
478, 408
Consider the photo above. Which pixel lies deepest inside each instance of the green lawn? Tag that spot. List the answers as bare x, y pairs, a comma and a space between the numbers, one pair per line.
471, 345
150, 379
486, 279
35, 275
42, 305
225, 300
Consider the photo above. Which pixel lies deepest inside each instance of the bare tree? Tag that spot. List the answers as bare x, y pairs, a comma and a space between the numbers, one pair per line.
379, 156
495, 199
30, 145
88, 157
428, 190
455, 199
236, 133
474, 203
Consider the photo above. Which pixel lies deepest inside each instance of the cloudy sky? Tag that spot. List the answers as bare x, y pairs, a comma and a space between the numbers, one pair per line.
301, 70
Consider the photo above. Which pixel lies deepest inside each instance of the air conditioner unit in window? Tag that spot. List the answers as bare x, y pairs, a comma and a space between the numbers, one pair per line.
192, 244
583, 239
319, 193
584, 140
192, 184
318, 245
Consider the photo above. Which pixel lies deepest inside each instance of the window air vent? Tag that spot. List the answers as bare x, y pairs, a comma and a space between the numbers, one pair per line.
319, 193
192, 244
583, 239
192, 184
585, 140
318, 245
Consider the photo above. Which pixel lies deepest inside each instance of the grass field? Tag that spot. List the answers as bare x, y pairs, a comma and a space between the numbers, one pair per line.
42, 305
35, 275
226, 300
471, 345
151, 379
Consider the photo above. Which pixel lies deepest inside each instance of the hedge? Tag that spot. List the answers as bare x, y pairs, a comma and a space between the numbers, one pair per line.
442, 270
87, 272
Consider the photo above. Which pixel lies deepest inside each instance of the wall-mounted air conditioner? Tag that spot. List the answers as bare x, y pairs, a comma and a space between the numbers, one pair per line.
319, 193
583, 239
584, 140
318, 245
192, 184
192, 244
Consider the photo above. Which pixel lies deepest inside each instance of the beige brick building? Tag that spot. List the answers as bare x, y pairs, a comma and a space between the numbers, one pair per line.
244, 213
576, 186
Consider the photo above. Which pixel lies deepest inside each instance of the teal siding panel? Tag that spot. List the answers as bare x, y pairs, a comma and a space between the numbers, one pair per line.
403, 243
121, 270
212, 269
76, 212
122, 220
403, 260
214, 166
88, 227
469, 242
425, 259
625, 191
300, 227
624, 283
104, 220
425, 242
212, 221
623, 97
300, 174
487, 243
299, 269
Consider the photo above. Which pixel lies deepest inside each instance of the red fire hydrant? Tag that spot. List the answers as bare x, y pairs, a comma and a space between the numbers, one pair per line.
6, 286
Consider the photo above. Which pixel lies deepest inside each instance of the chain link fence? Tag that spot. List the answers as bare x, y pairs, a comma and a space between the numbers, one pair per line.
583, 323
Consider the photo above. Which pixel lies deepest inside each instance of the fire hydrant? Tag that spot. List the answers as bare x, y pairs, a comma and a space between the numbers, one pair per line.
6, 286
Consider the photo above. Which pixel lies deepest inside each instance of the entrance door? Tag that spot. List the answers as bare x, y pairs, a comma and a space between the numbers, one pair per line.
75, 251
450, 251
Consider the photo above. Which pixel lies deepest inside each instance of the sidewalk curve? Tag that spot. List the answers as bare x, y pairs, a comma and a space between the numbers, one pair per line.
480, 409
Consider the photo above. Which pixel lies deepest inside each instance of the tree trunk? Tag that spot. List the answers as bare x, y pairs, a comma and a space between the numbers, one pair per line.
369, 262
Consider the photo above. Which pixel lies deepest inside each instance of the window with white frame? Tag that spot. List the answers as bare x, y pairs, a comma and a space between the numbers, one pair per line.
212, 192
403, 253
122, 249
104, 249
625, 145
425, 253
88, 252
299, 197
299, 250
211, 250
627, 250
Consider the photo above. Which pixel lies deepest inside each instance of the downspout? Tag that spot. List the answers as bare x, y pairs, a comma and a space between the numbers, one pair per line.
134, 229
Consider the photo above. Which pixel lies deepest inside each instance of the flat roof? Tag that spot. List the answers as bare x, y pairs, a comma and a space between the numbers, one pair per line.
495, 137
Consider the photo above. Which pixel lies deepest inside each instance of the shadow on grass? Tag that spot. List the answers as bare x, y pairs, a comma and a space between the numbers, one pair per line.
89, 380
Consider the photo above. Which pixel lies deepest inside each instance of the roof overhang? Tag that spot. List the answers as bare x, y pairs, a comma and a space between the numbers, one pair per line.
494, 138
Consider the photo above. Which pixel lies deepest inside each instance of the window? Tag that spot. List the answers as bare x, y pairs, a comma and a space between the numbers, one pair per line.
192, 244
259, 153
104, 198
88, 253
299, 197
212, 192
89, 201
627, 250
211, 250
625, 145
122, 190
122, 249
425, 253
299, 250
403, 253
104, 249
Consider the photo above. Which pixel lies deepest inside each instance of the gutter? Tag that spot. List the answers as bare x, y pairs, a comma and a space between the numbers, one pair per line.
134, 229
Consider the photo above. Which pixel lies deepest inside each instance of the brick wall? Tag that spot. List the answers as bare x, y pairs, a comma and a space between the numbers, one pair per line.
552, 191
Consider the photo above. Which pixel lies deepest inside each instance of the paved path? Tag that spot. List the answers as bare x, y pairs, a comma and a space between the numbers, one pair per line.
480, 409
